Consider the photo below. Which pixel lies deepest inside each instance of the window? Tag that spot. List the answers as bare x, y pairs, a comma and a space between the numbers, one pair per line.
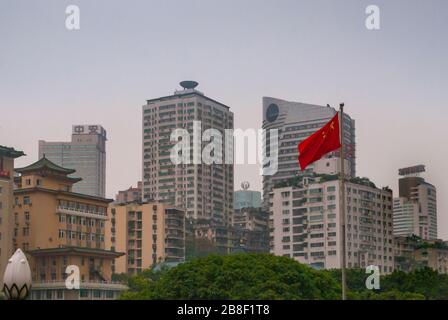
84, 293
27, 216
26, 200
317, 245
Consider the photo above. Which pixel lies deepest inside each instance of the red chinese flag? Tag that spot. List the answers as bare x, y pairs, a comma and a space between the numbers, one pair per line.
320, 143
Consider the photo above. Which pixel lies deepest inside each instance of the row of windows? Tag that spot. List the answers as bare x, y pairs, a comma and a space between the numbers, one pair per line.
70, 219
69, 234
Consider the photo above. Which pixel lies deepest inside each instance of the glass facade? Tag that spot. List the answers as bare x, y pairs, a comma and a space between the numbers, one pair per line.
86, 154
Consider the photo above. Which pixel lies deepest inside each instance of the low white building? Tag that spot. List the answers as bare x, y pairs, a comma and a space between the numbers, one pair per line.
305, 223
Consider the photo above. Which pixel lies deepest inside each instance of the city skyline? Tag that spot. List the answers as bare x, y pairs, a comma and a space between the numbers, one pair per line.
391, 80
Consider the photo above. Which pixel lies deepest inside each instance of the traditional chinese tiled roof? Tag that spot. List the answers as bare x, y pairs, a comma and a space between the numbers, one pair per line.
44, 163
10, 152
74, 250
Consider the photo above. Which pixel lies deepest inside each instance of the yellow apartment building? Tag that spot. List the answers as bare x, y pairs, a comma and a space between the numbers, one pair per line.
149, 233
7, 156
58, 228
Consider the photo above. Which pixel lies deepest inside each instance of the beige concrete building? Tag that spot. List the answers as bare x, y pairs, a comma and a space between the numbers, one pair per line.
149, 233
58, 228
251, 219
203, 191
130, 195
412, 253
305, 223
7, 156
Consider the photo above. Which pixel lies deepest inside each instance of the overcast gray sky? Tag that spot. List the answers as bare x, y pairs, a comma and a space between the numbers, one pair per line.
393, 80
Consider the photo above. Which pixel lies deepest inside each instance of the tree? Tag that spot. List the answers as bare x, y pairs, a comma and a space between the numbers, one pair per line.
264, 276
237, 276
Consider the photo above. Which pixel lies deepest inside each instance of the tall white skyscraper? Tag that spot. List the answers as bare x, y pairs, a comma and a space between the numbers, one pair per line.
295, 122
204, 191
415, 209
86, 153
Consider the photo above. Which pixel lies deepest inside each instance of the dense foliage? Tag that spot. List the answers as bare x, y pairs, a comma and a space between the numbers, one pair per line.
239, 276
264, 276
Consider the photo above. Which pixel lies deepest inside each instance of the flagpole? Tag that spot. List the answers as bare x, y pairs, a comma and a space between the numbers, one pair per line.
342, 206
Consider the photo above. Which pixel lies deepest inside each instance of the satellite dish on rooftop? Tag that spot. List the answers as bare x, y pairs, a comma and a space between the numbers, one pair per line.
188, 84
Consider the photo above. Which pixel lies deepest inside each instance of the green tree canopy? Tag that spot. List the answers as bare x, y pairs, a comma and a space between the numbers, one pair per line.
238, 276
264, 276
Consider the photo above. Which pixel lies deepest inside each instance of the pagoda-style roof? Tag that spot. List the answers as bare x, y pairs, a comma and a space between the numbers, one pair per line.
44, 163
74, 251
10, 152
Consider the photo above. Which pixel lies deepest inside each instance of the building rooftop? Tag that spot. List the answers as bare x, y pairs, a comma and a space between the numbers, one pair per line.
67, 193
44, 163
189, 89
75, 250
10, 152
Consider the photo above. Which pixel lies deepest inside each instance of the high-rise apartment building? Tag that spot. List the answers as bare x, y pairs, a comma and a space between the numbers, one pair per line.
415, 209
86, 153
57, 229
204, 191
7, 156
306, 223
295, 122
149, 233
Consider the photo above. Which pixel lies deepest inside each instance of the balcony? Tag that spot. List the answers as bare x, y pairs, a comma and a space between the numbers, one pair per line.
57, 284
80, 213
